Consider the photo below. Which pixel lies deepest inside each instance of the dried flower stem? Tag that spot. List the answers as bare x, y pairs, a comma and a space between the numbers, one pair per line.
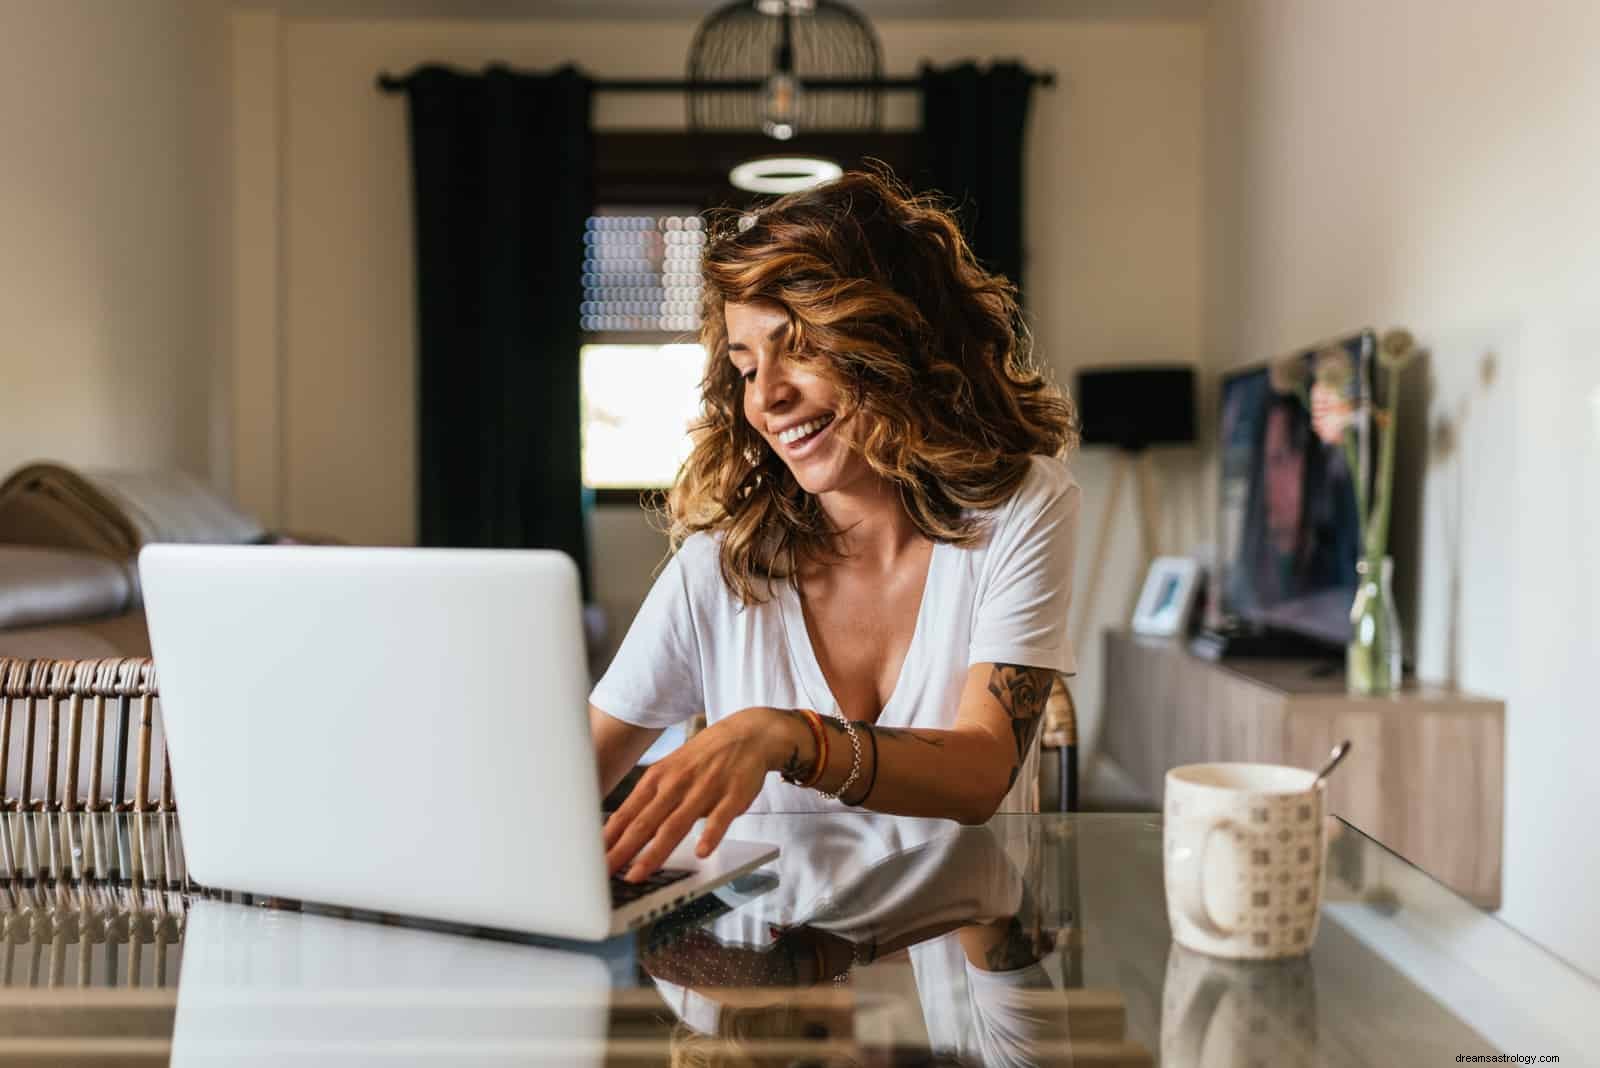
1395, 352
1377, 530
1352, 457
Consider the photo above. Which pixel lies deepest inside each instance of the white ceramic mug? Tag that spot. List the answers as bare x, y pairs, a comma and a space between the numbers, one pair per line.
1243, 851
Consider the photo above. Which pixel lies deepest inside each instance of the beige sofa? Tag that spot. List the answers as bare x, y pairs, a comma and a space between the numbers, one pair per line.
67, 604
69, 545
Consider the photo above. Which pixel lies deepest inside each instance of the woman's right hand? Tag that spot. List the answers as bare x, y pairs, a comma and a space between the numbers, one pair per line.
714, 776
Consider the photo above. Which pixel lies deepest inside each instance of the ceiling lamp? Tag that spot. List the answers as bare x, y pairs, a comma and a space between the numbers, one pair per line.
772, 48
783, 174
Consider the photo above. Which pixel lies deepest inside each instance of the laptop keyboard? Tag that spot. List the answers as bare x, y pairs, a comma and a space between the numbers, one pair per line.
623, 893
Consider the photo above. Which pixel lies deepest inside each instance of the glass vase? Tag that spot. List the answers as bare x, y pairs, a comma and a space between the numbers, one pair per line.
1372, 659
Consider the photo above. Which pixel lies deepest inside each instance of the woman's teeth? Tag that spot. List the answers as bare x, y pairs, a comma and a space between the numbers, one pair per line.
805, 430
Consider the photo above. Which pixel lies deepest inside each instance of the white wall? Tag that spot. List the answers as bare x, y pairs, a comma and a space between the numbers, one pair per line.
110, 190
1431, 163
1113, 201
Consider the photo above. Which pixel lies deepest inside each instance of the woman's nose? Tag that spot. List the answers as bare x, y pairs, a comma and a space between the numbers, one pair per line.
772, 389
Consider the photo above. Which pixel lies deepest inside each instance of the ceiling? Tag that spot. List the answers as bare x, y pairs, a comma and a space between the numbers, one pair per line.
677, 9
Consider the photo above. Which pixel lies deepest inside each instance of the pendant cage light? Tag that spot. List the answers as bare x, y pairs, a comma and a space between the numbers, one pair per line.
781, 44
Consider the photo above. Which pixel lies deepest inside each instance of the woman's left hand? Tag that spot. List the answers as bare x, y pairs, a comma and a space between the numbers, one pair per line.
716, 775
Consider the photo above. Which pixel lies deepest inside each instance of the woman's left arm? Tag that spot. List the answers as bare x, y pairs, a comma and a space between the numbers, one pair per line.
962, 773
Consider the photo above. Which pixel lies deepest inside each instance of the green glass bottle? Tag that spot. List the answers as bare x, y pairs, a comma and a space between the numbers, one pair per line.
1372, 659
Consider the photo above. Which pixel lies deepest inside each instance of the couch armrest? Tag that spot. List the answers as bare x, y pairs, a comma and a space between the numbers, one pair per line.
43, 586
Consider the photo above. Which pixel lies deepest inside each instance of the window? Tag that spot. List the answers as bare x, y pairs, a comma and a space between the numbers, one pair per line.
640, 368
638, 402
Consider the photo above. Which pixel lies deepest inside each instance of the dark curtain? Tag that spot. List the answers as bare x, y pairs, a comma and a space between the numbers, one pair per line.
503, 170
973, 123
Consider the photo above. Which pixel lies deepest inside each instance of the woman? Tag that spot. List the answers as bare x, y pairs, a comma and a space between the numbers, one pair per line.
874, 536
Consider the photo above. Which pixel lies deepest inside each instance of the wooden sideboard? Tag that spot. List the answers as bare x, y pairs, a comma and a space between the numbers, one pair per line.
1425, 775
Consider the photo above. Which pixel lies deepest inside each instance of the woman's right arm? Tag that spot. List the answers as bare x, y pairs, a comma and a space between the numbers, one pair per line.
617, 746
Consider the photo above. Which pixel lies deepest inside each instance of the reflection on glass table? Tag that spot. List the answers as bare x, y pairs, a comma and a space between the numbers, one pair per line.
947, 915
872, 941
90, 900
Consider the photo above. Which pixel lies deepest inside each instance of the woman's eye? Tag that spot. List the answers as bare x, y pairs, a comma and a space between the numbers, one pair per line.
748, 376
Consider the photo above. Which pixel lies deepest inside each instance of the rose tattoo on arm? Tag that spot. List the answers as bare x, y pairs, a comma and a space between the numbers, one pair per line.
1022, 691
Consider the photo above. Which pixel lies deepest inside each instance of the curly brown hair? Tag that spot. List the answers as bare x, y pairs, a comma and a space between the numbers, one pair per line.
885, 301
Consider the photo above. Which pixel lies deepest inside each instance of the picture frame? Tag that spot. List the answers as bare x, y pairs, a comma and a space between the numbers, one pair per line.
1167, 599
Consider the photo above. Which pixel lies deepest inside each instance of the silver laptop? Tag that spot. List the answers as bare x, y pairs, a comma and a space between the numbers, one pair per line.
403, 730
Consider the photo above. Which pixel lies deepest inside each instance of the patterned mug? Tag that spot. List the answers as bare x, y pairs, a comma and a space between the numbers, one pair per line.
1243, 851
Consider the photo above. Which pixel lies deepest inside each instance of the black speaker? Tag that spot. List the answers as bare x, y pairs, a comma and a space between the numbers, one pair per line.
1134, 407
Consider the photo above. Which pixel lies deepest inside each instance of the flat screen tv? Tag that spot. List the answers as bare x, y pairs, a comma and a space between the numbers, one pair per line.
1289, 534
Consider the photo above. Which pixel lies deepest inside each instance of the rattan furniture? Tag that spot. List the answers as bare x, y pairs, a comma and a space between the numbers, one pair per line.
42, 771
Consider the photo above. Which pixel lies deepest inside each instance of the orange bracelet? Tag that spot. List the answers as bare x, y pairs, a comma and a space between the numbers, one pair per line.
815, 723
817, 736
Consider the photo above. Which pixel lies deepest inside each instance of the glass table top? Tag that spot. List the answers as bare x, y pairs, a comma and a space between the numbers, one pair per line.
872, 940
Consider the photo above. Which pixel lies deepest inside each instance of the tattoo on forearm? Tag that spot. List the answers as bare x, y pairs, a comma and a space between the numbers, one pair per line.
908, 734
1022, 692
798, 768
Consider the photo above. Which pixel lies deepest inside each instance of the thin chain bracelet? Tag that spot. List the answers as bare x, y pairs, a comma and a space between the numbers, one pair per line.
855, 761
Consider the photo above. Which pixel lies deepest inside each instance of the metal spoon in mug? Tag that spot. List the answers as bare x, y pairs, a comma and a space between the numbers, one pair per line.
1340, 751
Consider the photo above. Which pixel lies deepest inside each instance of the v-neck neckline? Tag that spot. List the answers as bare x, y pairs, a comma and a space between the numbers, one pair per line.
814, 682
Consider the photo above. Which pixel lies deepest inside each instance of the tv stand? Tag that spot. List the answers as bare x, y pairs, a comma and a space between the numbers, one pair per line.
1242, 640
1424, 777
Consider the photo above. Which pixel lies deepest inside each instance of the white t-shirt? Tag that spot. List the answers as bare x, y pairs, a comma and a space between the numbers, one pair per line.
694, 646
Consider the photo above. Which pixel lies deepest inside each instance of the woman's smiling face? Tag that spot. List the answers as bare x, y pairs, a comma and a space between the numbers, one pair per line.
794, 409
